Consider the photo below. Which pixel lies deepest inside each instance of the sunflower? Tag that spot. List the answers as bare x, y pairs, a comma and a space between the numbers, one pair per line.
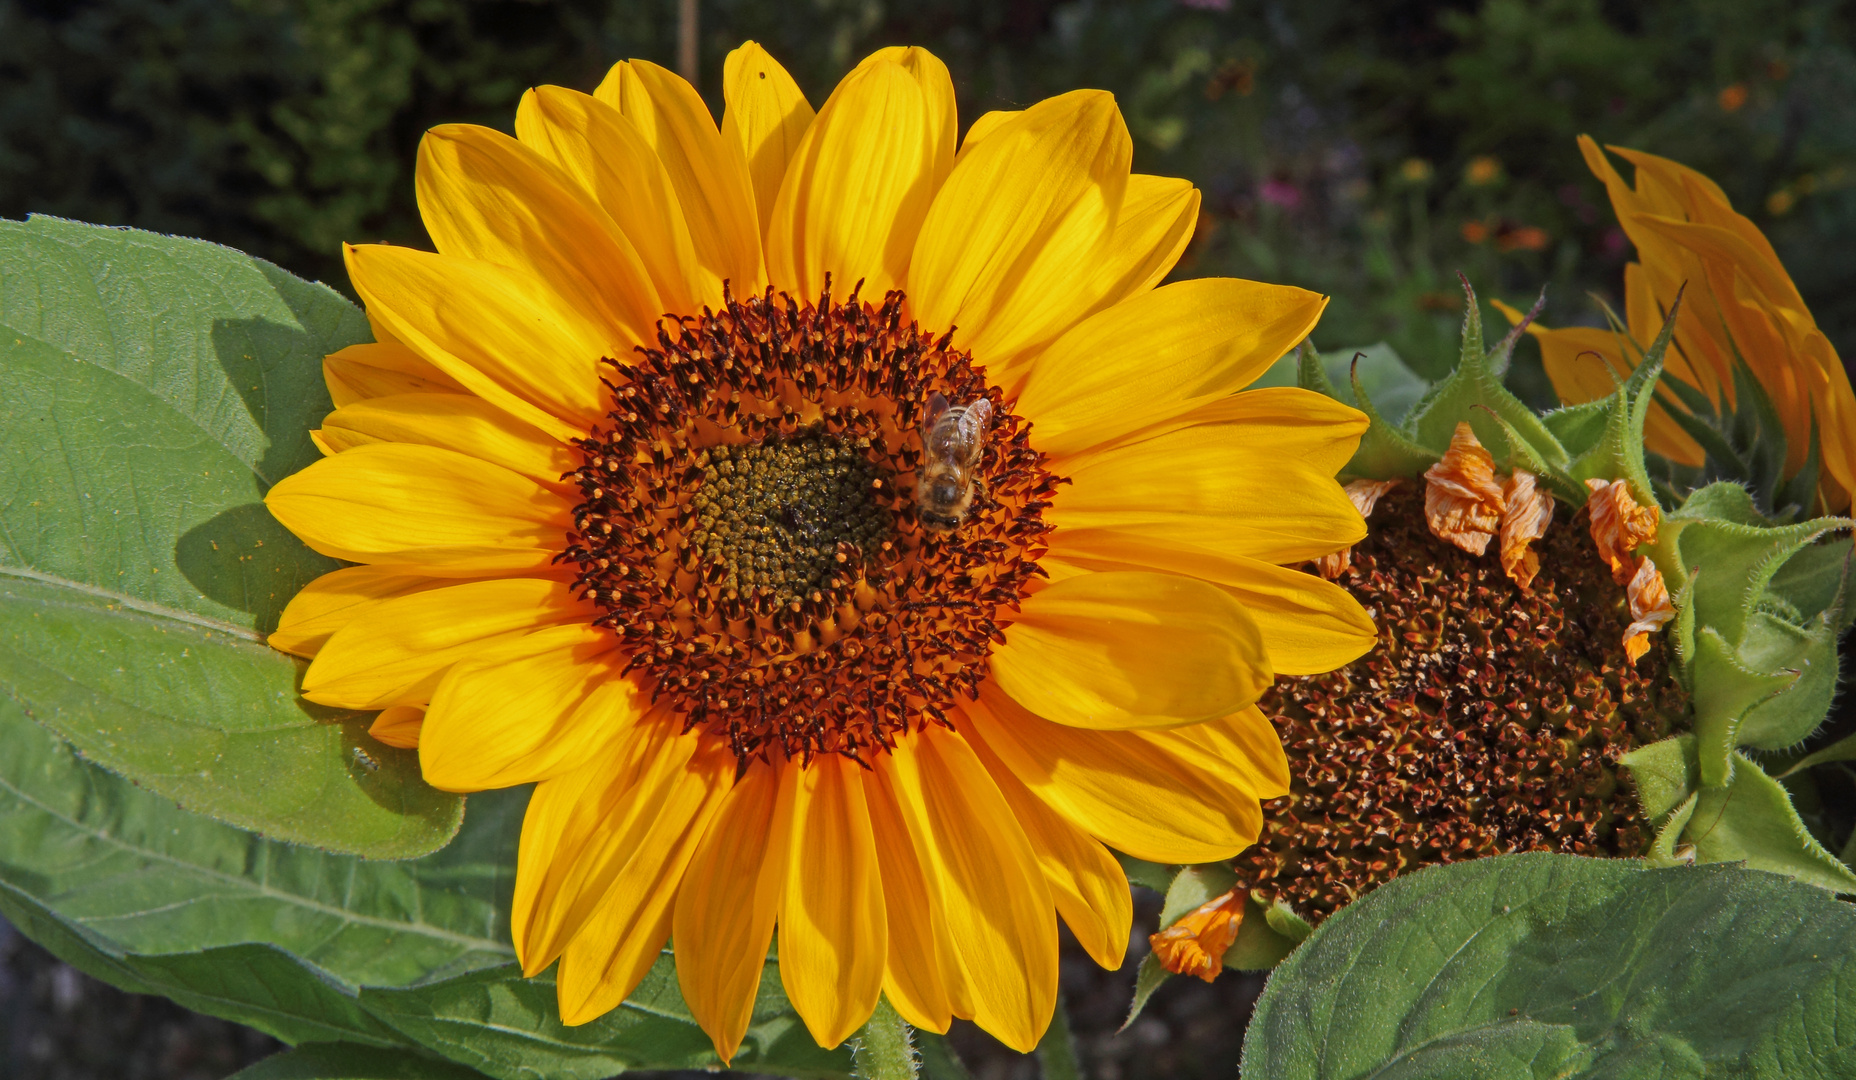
1739, 309
843, 533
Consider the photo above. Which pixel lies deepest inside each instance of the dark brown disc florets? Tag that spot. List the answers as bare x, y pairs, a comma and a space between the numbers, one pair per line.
1487, 720
749, 533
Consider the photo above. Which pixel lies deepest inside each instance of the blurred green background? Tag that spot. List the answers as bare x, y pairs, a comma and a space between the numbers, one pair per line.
1366, 150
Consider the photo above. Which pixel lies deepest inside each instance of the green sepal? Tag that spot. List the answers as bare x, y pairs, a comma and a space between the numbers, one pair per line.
1618, 452
1669, 836
1843, 749
1386, 452
1148, 875
1749, 820
1757, 623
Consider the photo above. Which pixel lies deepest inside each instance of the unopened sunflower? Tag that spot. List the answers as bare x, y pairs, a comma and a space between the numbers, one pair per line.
842, 531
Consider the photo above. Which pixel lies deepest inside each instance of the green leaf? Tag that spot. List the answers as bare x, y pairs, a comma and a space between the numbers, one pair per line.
312, 946
1544, 965
157, 387
351, 1061
1057, 1055
1385, 450
1147, 978
883, 1049
1843, 749
510, 1027
1750, 820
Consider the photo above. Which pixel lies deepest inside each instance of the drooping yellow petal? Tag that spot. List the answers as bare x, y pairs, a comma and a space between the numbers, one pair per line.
398, 726
380, 369
833, 929
484, 195
464, 423
710, 173
1089, 886
445, 513
498, 332
767, 114
339, 597
1014, 238
857, 188
643, 797
608, 158
727, 904
398, 653
998, 907
1159, 355
1309, 626
1108, 651
1214, 478
604, 962
1153, 794
920, 978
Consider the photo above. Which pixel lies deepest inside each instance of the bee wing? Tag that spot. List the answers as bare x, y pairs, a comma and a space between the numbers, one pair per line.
937, 404
973, 421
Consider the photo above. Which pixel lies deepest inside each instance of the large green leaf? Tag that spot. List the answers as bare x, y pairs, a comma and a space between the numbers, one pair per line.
317, 947
1543, 965
349, 1061
156, 388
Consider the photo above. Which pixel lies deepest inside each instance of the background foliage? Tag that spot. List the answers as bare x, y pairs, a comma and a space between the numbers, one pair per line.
1365, 150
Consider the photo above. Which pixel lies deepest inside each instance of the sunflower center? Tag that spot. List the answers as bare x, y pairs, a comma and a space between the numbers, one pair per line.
750, 533
772, 515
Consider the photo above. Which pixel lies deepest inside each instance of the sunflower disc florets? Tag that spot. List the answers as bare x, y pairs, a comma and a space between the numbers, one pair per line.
748, 527
1488, 720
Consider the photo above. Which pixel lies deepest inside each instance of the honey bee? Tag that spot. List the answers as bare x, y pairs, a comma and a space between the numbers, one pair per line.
953, 437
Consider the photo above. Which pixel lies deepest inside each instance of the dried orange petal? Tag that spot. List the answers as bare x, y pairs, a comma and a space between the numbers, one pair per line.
1462, 499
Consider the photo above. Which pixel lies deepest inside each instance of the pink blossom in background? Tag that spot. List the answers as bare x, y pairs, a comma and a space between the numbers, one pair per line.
1280, 193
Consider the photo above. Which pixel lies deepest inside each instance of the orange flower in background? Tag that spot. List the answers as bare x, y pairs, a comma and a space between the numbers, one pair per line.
1740, 303
839, 529
1196, 944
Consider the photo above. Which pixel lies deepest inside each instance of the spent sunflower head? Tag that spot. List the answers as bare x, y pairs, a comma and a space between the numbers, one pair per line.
840, 529
1752, 391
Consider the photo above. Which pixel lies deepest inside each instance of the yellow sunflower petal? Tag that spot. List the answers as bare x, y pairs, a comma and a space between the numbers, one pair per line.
1158, 216
398, 653
1159, 355
398, 726
642, 798
524, 709
1216, 477
710, 173
464, 423
727, 905
767, 114
1089, 886
856, 189
1153, 794
609, 159
498, 332
1132, 650
988, 124
833, 932
999, 910
484, 195
381, 369
920, 977
1309, 625
620, 941
339, 597
1014, 237
1251, 752
448, 514
937, 92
